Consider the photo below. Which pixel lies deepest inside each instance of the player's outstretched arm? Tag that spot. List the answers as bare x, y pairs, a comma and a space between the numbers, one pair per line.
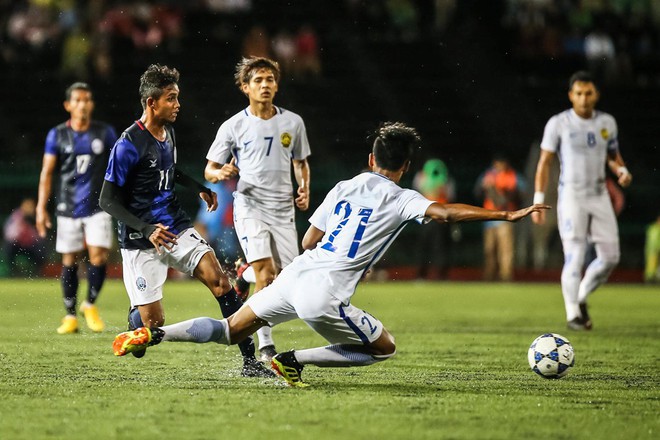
458, 212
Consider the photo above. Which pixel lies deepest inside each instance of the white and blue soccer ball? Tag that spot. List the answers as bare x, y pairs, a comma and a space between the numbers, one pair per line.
551, 356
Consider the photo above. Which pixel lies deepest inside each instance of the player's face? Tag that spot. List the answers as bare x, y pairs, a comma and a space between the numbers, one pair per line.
583, 96
262, 86
167, 106
80, 105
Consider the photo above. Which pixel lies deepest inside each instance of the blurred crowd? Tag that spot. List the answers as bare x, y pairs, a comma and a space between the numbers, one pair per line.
618, 39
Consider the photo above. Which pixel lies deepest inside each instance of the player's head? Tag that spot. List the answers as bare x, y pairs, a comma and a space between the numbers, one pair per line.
155, 80
394, 145
258, 78
248, 66
79, 101
581, 76
583, 93
159, 92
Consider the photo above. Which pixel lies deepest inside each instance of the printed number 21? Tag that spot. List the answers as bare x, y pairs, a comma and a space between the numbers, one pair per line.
363, 213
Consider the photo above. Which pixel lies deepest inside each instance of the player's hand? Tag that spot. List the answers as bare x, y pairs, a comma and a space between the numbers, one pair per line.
514, 216
624, 179
229, 170
162, 238
302, 201
211, 200
43, 222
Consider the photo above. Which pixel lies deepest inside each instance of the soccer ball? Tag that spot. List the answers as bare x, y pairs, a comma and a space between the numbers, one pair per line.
551, 356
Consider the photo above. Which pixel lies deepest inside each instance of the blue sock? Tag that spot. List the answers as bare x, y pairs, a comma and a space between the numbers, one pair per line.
95, 280
134, 319
229, 304
69, 283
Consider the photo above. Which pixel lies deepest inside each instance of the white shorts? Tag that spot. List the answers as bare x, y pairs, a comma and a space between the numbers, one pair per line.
294, 295
73, 233
261, 240
145, 271
581, 217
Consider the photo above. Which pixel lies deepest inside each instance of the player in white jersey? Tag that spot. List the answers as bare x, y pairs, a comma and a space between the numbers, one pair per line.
263, 141
356, 223
585, 140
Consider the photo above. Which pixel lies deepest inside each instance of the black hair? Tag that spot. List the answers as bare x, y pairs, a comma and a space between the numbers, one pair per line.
581, 76
154, 80
76, 86
246, 68
394, 145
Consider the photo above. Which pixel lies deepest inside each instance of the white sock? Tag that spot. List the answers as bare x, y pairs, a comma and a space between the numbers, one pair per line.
249, 276
198, 330
265, 335
339, 355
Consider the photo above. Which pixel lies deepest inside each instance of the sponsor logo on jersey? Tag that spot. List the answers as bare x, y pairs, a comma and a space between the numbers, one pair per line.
97, 146
604, 133
285, 138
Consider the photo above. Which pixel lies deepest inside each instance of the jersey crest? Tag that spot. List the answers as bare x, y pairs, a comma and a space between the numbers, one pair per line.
285, 138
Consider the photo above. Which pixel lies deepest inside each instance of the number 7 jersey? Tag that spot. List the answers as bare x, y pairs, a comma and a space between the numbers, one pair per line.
263, 150
361, 218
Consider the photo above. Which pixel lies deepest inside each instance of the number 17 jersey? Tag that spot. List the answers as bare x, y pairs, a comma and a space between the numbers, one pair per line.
361, 218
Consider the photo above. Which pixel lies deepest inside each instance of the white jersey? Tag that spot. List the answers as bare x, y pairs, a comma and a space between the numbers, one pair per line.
263, 150
582, 146
361, 218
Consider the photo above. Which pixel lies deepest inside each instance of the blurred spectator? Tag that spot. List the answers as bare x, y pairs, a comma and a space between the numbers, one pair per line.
308, 59
21, 237
404, 19
652, 252
434, 240
600, 53
256, 43
217, 227
501, 188
540, 235
76, 50
284, 48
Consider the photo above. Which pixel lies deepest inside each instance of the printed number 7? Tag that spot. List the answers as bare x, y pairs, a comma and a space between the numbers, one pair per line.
270, 144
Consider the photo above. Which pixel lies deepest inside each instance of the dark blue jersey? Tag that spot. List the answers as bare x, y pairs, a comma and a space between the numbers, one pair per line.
144, 168
82, 157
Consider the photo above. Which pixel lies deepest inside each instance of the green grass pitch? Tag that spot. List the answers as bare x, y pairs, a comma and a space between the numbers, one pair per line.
460, 372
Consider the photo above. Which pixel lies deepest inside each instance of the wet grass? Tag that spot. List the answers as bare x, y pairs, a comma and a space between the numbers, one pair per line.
461, 371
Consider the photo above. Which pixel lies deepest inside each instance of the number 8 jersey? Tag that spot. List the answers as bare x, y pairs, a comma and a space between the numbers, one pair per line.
582, 146
361, 218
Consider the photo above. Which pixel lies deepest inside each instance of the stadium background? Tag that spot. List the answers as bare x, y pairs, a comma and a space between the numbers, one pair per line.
476, 77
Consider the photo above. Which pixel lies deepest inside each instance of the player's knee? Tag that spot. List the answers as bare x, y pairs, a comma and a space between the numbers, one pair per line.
265, 277
384, 356
609, 254
385, 347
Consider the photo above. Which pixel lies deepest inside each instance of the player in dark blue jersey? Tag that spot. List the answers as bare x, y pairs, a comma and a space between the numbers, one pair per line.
78, 151
154, 231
